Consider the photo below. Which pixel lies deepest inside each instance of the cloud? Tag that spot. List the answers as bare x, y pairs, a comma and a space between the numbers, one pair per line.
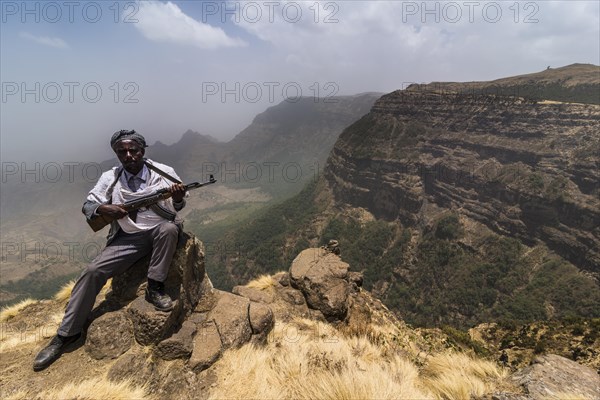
400, 42
165, 22
45, 40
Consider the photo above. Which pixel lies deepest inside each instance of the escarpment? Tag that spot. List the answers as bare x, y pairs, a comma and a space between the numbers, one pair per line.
526, 169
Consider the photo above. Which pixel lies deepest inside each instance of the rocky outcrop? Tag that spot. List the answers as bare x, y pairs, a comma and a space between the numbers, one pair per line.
322, 278
524, 169
203, 323
555, 377
317, 286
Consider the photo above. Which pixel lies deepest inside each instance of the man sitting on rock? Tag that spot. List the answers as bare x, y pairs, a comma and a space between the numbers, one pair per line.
133, 235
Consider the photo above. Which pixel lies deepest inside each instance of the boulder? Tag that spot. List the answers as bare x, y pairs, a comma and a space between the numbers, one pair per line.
323, 279
230, 315
150, 326
180, 345
261, 319
551, 376
259, 295
109, 336
203, 323
133, 366
207, 347
186, 283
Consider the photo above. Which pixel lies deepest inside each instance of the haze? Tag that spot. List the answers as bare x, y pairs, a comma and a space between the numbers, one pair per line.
74, 72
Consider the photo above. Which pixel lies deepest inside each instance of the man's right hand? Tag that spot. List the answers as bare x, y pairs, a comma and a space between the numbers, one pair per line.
112, 211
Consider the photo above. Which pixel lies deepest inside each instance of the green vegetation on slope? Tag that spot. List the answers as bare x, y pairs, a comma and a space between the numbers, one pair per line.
259, 244
429, 281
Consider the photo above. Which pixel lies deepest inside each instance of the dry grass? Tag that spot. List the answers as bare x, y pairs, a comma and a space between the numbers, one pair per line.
459, 376
92, 389
570, 396
263, 282
14, 310
305, 359
13, 337
64, 293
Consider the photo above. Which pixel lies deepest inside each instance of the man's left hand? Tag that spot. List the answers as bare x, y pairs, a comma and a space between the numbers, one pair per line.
177, 191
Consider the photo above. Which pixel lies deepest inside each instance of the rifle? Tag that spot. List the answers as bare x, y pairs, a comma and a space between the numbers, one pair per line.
102, 220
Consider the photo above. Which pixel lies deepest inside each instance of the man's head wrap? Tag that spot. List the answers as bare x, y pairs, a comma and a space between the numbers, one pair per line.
127, 135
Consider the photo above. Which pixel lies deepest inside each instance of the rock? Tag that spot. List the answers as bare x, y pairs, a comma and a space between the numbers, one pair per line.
449, 160
203, 323
186, 283
261, 319
135, 367
293, 296
261, 296
333, 246
509, 396
180, 345
356, 278
150, 326
283, 278
109, 336
551, 375
207, 347
321, 276
230, 315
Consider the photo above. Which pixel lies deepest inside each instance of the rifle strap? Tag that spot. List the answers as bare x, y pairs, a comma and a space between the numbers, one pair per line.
162, 173
110, 189
157, 208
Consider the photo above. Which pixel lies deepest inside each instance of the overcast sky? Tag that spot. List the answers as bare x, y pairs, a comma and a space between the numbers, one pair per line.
74, 72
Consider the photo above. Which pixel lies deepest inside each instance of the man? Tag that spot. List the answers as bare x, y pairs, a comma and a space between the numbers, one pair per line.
133, 235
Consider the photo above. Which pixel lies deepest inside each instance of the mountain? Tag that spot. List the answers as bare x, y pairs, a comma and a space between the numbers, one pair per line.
458, 208
45, 241
576, 83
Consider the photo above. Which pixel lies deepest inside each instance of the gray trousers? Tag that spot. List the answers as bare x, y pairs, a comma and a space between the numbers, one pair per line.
124, 250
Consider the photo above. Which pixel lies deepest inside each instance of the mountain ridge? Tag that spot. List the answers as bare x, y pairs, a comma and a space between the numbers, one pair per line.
459, 209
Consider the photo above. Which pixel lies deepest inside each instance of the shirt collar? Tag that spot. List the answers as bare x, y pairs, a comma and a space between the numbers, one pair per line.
143, 174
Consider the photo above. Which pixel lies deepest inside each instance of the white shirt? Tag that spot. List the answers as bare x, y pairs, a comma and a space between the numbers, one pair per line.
146, 219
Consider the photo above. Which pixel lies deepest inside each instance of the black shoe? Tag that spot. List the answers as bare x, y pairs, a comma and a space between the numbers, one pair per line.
158, 298
53, 350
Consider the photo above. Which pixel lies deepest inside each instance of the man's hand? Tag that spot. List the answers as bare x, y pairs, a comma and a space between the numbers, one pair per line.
177, 191
112, 210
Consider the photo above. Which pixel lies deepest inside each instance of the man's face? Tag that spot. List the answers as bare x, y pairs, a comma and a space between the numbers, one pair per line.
131, 155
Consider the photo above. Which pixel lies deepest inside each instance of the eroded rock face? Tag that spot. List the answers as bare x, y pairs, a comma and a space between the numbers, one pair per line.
550, 376
524, 169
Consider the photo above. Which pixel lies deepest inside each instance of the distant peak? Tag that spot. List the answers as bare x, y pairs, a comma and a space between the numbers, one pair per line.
191, 135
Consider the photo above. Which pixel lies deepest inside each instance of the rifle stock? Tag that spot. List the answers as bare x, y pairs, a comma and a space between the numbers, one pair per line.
101, 221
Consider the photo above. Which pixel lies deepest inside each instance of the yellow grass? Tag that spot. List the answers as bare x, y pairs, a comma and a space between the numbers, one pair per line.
263, 282
459, 376
92, 389
12, 311
64, 293
13, 337
305, 359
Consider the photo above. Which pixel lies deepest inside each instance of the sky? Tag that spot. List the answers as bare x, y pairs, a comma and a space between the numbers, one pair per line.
74, 72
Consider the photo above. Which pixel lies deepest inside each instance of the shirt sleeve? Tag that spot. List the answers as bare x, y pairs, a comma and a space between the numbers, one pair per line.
97, 196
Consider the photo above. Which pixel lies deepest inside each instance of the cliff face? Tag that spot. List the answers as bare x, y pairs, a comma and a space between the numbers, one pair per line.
523, 168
